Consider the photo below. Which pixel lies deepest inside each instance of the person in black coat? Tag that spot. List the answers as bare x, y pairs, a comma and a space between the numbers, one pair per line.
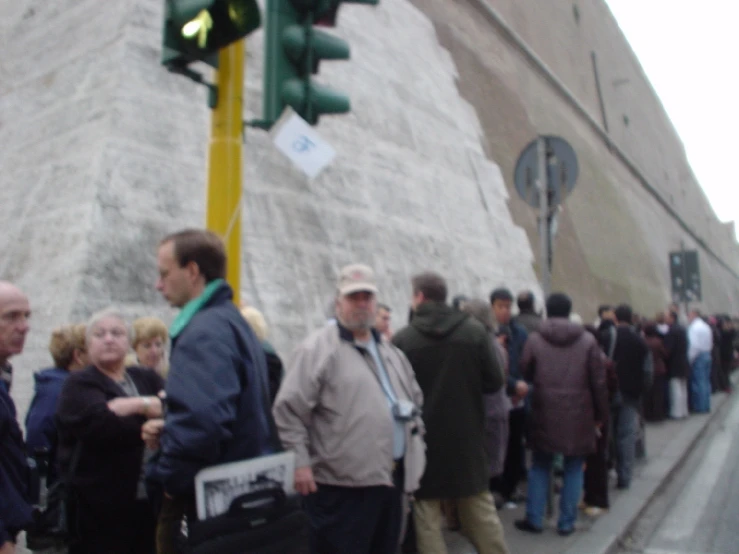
100, 415
678, 367
630, 356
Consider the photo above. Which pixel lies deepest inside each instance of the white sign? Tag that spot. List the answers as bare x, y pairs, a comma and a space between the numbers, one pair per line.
302, 144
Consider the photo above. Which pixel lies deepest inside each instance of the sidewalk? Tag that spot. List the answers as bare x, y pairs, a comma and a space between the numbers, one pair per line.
667, 444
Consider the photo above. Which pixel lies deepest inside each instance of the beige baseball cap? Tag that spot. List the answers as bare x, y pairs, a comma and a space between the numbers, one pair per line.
356, 278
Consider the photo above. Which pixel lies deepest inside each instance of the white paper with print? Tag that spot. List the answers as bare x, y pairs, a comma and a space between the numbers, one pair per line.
217, 486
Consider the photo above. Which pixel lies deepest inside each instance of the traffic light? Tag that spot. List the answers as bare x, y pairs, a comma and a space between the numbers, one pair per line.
194, 30
293, 52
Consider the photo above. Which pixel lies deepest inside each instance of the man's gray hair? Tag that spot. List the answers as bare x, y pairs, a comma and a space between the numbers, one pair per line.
110, 312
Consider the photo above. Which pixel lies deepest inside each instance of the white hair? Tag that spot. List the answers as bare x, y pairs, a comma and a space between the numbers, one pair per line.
107, 313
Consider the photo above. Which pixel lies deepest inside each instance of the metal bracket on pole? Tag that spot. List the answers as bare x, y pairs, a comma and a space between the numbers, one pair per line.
198, 78
259, 124
544, 229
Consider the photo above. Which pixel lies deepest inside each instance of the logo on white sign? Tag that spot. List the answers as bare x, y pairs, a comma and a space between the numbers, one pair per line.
302, 144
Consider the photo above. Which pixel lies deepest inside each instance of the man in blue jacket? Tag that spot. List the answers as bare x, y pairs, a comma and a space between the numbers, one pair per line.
15, 509
217, 385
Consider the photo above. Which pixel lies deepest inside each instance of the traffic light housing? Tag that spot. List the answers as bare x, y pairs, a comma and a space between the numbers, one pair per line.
293, 51
195, 30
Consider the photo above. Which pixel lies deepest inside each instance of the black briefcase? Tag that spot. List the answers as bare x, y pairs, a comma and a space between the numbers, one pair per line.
260, 522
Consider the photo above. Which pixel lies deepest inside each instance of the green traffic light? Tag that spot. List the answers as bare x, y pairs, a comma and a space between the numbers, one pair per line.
293, 52
311, 101
322, 46
194, 30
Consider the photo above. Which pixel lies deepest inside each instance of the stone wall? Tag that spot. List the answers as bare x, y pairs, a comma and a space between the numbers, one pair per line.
106, 153
613, 236
103, 152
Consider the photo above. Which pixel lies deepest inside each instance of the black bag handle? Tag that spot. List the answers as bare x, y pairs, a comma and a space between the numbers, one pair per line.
267, 499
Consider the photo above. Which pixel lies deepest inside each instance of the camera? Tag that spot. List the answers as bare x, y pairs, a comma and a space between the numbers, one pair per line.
403, 410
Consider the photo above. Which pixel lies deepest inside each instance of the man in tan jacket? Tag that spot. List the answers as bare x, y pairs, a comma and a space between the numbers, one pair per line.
350, 408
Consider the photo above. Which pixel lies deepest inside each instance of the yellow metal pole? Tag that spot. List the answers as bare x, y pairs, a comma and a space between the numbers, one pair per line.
223, 207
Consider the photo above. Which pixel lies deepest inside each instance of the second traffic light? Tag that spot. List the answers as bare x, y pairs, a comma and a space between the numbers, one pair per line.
293, 52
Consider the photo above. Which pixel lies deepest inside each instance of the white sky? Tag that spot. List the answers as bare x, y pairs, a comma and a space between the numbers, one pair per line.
690, 52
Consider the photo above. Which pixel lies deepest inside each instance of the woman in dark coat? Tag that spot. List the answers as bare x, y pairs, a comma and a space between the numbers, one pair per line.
655, 399
100, 414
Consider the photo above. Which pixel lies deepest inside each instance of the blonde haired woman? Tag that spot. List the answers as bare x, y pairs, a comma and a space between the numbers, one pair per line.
149, 342
67, 349
256, 321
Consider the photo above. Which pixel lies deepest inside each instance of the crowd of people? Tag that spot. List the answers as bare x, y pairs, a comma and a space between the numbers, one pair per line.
395, 434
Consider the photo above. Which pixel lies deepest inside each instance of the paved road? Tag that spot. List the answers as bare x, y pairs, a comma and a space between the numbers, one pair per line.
698, 511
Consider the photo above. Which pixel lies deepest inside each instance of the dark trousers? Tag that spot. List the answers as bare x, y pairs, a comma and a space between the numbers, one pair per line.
514, 467
127, 529
356, 520
596, 473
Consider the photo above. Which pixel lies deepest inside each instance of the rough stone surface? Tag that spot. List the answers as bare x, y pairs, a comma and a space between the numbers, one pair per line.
103, 152
106, 153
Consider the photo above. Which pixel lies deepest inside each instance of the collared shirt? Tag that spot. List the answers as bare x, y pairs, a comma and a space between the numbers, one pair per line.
700, 339
387, 387
6, 376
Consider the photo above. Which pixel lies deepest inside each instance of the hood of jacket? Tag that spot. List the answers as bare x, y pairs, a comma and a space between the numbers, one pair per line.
560, 331
49, 376
436, 319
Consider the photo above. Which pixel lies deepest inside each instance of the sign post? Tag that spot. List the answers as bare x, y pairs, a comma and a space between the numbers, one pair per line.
544, 228
545, 174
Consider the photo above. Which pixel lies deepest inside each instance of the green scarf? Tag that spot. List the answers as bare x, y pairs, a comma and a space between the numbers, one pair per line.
192, 307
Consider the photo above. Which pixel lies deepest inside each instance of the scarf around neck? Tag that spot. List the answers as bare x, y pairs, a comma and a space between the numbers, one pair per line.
193, 307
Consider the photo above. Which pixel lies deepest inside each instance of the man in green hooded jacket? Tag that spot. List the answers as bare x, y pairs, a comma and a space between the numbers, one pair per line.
452, 357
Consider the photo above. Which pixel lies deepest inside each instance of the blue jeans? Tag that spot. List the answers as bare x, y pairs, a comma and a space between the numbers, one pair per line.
539, 487
626, 425
700, 383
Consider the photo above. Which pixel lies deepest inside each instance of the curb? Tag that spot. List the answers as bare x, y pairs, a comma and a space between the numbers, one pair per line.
607, 532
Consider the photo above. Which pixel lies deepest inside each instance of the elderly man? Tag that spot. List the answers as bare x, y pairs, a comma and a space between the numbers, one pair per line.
15, 510
349, 407
382, 321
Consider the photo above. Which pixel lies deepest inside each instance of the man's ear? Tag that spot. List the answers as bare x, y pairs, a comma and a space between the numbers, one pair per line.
193, 270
